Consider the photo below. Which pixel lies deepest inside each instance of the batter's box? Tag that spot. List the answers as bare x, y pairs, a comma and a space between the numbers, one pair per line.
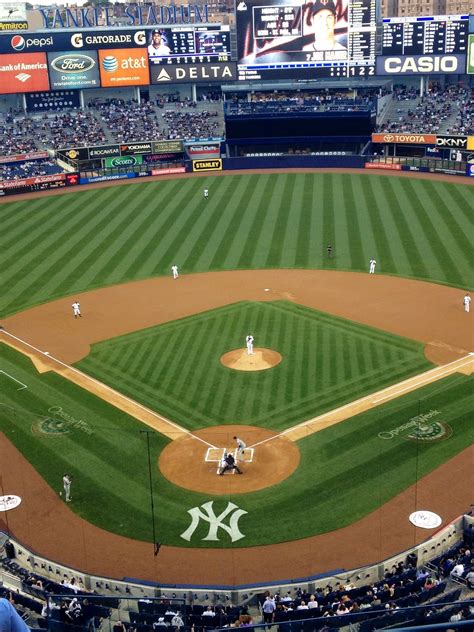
214, 455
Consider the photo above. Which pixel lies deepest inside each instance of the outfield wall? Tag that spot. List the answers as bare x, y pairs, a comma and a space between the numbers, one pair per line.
432, 548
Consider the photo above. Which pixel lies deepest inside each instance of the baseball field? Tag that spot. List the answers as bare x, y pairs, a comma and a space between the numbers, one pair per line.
369, 399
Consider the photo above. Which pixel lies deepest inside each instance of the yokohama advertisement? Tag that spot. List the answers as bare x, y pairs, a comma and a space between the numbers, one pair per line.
40, 183
23, 73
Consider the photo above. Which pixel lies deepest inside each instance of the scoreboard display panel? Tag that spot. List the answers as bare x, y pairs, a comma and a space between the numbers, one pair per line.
424, 45
434, 35
189, 44
296, 39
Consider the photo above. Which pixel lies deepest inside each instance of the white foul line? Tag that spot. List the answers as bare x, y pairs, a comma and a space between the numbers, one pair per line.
392, 391
23, 386
104, 386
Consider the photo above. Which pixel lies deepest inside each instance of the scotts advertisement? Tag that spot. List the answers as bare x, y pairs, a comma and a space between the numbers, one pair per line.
44, 41
23, 73
123, 68
167, 146
421, 65
70, 69
133, 149
204, 150
123, 161
205, 73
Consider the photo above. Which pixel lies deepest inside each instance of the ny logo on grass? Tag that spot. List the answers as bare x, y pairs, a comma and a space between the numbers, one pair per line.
215, 522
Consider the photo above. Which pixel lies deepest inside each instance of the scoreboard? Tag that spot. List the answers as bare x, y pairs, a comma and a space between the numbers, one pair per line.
424, 45
438, 35
282, 39
190, 44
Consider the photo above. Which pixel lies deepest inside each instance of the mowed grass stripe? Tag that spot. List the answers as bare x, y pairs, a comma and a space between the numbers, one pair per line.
237, 210
275, 251
169, 204
19, 225
252, 252
296, 208
463, 196
445, 215
126, 239
402, 220
377, 238
353, 214
447, 265
304, 226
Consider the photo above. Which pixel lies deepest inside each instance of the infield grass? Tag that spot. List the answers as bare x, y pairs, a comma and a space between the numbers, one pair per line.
175, 368
345, 472
58, 245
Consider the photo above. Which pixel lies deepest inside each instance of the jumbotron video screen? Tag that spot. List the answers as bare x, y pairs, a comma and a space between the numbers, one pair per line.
281, 39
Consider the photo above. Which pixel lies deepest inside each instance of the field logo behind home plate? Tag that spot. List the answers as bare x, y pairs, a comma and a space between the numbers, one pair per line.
215, 522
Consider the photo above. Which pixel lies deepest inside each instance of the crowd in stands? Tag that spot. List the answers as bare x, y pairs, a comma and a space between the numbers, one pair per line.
129, 121
28, 169
193, 125
433, 111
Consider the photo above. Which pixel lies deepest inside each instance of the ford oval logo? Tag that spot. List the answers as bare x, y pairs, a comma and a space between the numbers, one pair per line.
73, 63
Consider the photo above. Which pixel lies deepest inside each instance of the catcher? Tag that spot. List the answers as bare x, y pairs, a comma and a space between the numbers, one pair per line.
228, 463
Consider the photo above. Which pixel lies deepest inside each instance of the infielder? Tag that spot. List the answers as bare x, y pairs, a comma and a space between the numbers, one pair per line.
76, 308
67, 480
206, 193
372, 263
174, 270
241, 445
467, 303
249, 341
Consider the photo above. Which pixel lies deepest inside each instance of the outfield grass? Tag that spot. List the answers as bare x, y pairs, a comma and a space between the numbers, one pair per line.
345, 472
175, 368
58, 245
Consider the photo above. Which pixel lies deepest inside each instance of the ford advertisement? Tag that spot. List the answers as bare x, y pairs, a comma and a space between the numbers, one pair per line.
70, 69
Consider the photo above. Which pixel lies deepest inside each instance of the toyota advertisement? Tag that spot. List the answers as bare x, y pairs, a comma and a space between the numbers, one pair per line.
23, 73
123, 67
69, 69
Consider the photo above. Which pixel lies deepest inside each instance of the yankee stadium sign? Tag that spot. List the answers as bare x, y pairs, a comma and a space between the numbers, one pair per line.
136, 15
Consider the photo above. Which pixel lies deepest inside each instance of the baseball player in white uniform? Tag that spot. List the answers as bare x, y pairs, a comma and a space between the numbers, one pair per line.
372, 263
241, 445
249, 341
174, 270
76, 308
206, 193
67, 487
467, 303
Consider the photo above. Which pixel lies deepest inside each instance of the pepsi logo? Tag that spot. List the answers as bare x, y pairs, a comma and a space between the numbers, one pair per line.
18, 42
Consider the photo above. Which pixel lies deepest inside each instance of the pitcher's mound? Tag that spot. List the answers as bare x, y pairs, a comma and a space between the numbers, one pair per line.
261, 359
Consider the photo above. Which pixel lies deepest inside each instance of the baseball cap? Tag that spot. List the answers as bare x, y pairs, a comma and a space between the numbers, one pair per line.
156, 32
319, 5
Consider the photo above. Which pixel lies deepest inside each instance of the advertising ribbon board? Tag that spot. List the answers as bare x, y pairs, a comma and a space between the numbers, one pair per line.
383, 165
404, 139
23, 73
73, 70
203, 150
167, 147
123, 67
44, 41
168, 171
421, 65
104, 151
123, 161
207, 165
34, 155
193, 73
135, 149
451, 142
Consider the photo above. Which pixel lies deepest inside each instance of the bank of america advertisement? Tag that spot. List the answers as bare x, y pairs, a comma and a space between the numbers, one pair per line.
23, 73
73, 70
470, 56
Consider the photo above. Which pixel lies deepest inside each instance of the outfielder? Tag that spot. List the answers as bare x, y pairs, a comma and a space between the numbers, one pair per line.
206, 193
372, 263
67, 480
241, 445
174, 270
467, 303
249, 341
76, 308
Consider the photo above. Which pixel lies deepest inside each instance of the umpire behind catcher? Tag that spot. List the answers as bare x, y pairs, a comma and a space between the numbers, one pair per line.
229, 463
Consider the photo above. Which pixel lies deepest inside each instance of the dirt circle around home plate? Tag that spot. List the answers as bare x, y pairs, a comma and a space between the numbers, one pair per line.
192, 461
260, 360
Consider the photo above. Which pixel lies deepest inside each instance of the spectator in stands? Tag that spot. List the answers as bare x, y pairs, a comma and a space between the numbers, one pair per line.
458, 570
177, 622
161, 624
119, 627
10, 620
209, 612
312, 603
268, 609
470, 578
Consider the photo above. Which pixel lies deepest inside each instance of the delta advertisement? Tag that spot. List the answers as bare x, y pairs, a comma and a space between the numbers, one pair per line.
69, 69
23, 73
123, 67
